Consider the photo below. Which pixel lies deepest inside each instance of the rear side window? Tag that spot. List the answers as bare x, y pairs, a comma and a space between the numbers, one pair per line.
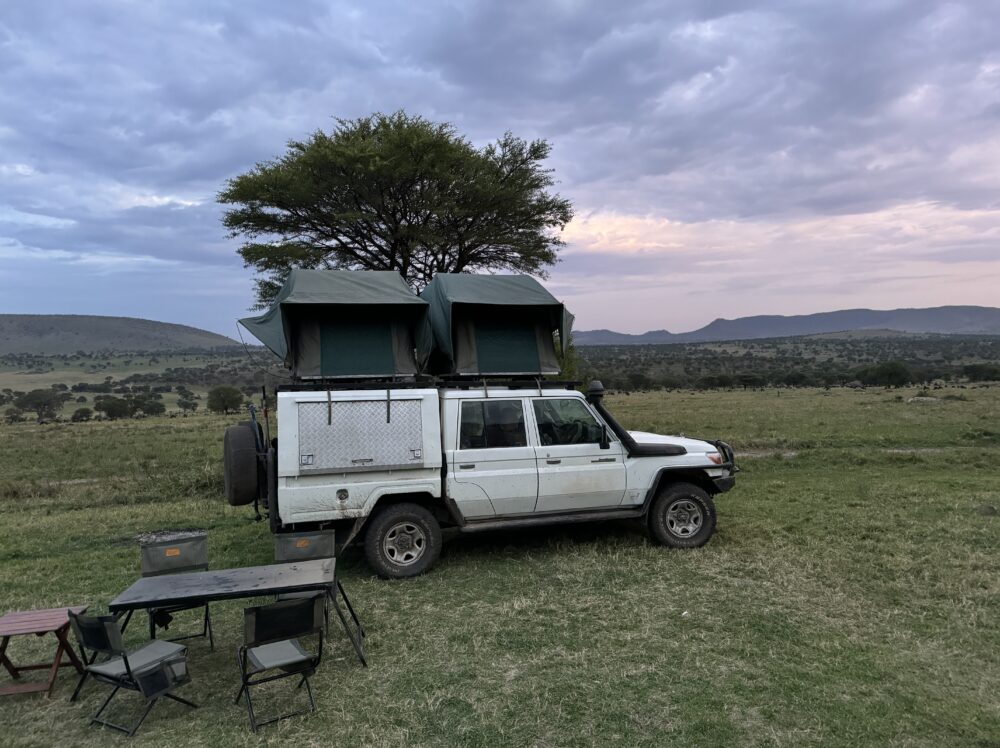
565, 421
487, 424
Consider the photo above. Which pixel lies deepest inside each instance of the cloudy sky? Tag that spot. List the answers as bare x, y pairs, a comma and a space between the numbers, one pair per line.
724, 158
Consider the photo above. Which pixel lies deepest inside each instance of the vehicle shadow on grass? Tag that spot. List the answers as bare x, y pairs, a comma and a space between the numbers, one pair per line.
520, 544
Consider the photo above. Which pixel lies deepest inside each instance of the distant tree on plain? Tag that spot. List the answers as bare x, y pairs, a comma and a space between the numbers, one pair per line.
45, 404
224, 399
113, 408
81, 414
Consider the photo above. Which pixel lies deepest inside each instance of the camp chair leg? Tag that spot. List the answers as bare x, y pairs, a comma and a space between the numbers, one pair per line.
180, 700
97, 714
79, 685
243, 677
83, 678
146, 711
253, 717
312, 703
152, 625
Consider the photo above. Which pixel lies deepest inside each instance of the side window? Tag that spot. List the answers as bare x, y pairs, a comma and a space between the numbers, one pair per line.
565, 421
487, 424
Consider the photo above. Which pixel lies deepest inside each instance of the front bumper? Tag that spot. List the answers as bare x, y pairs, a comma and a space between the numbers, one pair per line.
725, 483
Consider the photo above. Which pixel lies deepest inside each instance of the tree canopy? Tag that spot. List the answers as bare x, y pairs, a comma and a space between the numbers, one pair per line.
45, 403
224, 399
396, 192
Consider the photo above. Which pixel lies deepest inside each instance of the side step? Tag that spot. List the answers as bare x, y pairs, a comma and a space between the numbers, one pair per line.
561, 518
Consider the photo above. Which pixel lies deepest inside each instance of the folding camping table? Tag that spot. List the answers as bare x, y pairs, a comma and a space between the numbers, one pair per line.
38, 622
199, 587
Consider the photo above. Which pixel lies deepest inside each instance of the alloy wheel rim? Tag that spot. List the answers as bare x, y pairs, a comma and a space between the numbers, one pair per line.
684, 518
404, 544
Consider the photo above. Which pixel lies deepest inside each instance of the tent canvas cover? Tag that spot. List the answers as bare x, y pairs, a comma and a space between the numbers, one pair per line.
491, 324
342, 323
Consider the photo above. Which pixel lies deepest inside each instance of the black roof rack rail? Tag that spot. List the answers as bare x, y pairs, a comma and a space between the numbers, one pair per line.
453, 383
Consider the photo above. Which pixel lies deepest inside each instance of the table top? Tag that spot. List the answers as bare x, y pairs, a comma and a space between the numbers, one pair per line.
226, 584
42, 621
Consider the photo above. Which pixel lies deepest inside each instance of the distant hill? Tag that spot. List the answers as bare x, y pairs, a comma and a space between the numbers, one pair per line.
949, 320
68, 333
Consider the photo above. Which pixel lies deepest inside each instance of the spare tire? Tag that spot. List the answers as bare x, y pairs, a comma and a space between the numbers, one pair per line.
240, 470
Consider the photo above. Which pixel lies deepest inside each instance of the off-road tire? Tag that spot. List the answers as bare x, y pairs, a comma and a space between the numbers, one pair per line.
402, 526
682, 516
239, 466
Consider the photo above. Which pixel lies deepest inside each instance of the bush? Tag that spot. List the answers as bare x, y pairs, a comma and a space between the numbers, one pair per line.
889, 374
112, 407
81, 414
982, 372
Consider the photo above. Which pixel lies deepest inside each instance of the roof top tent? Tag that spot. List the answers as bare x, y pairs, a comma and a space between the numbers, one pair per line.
327, 324
491, 325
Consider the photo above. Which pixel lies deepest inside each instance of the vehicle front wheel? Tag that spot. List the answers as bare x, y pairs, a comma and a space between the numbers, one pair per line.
403, 540
682, 516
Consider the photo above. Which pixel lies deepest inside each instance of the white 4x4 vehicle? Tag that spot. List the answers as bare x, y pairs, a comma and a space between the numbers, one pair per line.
395, 466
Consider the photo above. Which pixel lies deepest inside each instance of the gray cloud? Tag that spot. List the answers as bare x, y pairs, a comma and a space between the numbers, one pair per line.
120, 121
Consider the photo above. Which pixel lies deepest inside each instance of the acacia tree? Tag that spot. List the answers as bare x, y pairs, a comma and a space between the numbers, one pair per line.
396, 192
224, 399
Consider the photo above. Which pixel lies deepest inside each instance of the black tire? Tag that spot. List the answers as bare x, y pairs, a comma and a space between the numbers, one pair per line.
682, 516
402, 540
240, 468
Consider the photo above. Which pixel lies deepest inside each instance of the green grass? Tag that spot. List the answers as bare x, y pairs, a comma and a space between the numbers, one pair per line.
851, 595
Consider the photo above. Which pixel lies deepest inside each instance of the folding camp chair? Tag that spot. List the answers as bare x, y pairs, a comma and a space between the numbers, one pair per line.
158, 557
154, 669
306, 546
271, 642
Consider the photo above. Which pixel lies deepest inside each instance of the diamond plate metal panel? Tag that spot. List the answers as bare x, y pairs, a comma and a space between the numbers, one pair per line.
350, 436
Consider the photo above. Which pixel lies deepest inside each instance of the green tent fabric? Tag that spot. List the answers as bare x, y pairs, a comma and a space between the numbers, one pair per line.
342, 323
491, 324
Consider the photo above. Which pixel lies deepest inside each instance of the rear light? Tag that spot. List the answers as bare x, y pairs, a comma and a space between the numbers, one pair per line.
715, 457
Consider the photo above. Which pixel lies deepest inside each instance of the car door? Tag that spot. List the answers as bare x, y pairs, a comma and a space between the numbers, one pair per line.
494, 469
573, 471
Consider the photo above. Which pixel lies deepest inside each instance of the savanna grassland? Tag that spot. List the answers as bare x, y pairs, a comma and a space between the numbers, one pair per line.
850, 597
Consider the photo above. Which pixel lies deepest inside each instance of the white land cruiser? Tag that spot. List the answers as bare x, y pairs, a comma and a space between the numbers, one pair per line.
395, 466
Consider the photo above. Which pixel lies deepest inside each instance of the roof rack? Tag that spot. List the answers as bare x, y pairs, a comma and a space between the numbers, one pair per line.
450, 383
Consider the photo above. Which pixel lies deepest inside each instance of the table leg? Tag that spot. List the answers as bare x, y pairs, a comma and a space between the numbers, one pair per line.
55, 667
61, 636
354, 635
128, 617
5, 660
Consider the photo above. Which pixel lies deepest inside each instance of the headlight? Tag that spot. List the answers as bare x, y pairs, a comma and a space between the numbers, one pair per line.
714, 457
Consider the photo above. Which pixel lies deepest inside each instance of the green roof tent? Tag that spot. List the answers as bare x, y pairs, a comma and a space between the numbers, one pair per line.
491, 324
342, 323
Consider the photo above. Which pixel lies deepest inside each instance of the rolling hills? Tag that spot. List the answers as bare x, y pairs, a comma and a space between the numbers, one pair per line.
953, 320
68, 333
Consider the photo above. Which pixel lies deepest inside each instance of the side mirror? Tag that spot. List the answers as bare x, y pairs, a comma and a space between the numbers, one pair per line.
605, 442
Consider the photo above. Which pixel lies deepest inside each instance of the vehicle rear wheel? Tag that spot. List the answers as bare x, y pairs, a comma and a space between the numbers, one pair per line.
403, 540
682, 516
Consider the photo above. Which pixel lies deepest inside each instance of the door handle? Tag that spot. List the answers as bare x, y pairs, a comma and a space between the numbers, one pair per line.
605, 459
553, 462
466, 467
